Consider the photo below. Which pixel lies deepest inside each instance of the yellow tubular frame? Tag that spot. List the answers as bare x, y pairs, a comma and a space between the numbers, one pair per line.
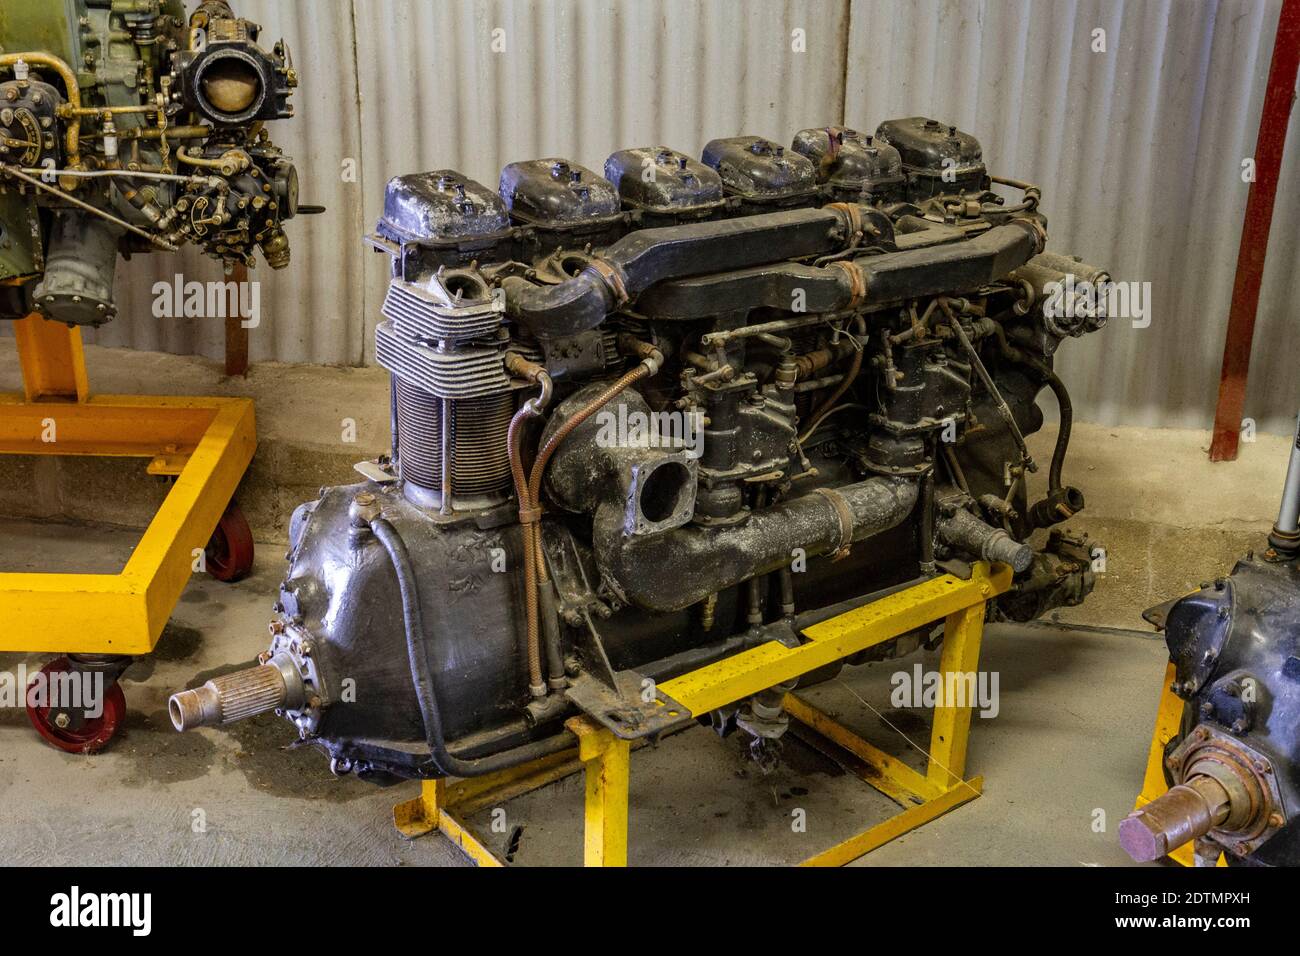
605, 757
206, 443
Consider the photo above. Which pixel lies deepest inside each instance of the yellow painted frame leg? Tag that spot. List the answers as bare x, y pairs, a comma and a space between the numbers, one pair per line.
921, 799
428, 812
1169, 718
960, 603
52, 360
608, 762
942, 788
950, 733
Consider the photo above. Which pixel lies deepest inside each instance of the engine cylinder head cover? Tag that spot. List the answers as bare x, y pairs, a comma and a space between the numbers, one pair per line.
557, 192
853, 164
761, 172
667, 186
938, 159
441, 207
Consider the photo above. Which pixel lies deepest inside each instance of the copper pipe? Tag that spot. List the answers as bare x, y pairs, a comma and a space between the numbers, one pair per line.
527, 511
563, 432
530, 495
532, 641
70, 85
816, 418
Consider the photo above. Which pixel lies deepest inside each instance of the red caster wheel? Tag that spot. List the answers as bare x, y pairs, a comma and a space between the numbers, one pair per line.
229, 554
65, 728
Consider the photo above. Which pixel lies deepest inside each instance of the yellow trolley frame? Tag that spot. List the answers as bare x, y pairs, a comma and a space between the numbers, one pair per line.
206, 443
442, 805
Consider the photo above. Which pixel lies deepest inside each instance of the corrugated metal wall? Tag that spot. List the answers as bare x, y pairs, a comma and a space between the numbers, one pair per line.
1138, 149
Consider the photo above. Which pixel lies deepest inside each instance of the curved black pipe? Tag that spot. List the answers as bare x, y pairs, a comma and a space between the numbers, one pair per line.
671, 570
739, 273
952, 267
1063, 433
1061, 501
642, 258
445, 762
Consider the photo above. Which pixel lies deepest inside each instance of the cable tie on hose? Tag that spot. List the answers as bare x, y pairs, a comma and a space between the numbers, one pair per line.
530, 515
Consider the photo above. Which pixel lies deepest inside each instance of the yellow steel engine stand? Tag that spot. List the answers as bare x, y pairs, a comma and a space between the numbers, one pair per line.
442, 805
206, 443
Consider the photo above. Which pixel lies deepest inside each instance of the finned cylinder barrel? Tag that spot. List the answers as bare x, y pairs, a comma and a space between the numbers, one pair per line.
231, 697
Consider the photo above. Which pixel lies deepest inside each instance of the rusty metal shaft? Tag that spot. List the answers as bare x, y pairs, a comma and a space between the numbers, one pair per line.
1187, 812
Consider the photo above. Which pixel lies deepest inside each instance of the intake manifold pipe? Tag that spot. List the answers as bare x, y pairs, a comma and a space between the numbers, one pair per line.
244, 693
968, 534
698, 561
647, 256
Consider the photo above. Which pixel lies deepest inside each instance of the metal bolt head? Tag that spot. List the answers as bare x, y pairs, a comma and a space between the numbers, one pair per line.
61, 720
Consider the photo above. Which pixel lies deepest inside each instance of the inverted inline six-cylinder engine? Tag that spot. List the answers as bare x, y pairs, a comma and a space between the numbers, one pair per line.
647, 419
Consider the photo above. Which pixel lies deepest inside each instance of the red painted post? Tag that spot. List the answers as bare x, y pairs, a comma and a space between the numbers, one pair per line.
1278, 97
236, 331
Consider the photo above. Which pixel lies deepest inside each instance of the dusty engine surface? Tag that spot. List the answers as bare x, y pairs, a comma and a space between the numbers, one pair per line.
647, 419
130, 128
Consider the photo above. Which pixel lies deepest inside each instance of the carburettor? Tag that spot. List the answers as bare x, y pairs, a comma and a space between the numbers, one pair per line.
133, 128
647, 419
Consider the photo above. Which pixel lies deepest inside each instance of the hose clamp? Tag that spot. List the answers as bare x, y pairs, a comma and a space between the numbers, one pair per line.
852, 212
857, 281
612, 276
844, 515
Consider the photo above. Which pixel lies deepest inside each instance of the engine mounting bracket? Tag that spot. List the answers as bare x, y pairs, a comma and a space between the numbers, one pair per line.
633, 708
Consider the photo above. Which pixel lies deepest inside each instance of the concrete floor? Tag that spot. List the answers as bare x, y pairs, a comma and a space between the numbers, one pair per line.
1076, 708
1077, 700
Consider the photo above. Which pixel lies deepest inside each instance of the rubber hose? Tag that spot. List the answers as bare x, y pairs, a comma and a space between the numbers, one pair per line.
445, 762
